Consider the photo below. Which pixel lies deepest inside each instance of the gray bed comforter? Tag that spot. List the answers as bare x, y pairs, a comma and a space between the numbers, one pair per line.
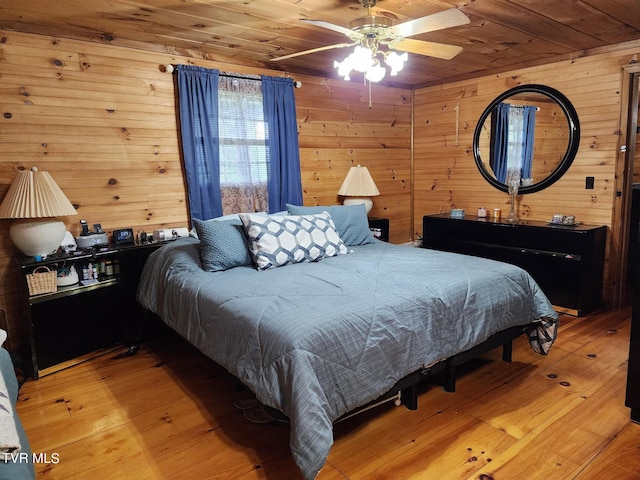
316, 340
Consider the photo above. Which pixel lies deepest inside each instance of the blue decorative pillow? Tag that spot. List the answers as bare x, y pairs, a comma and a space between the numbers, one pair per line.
276, 240
223, 244
351, 221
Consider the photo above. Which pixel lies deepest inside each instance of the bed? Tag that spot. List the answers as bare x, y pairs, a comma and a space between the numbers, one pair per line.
15, 452
318, 339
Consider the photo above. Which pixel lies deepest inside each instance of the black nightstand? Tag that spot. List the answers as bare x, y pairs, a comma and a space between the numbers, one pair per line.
379, 227
78, 322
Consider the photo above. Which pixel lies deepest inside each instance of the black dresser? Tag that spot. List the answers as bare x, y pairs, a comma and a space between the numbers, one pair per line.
566, 261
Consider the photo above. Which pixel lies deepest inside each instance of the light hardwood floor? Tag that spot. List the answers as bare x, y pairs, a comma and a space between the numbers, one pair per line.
168, 413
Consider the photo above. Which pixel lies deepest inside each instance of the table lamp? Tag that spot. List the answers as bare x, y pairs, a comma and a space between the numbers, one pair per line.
34, 199
357, 187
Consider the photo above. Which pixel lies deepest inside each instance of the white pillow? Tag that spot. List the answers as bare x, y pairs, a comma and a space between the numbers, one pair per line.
279, 240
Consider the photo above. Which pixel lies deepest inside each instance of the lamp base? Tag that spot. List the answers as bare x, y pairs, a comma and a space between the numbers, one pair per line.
368, 203
37, 236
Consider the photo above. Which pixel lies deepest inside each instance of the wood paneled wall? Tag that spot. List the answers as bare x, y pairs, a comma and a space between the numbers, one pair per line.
444, 168
101, 119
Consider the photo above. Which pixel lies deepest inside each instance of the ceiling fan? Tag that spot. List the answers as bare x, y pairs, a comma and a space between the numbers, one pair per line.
372, 32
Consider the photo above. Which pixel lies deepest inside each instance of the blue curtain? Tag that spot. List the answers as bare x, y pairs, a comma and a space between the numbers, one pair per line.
500, 141
527, 149
284, 182
197, 106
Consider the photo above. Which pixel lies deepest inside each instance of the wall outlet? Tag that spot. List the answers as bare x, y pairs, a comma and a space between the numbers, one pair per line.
588, 184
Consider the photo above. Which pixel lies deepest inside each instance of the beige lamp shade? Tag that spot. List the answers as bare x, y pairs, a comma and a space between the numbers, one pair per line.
34, 194
358, 186
35, 200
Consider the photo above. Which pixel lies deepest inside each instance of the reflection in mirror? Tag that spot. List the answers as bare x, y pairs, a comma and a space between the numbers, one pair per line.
530, 133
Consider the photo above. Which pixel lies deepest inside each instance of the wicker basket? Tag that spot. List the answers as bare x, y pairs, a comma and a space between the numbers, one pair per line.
42, 280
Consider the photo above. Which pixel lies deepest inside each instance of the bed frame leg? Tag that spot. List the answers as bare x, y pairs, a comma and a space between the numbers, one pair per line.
507, 352
450, 378
409, 397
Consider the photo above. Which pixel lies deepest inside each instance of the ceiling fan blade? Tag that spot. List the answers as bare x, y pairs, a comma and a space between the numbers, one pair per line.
430, 49
330, 26
313, 50
430, 23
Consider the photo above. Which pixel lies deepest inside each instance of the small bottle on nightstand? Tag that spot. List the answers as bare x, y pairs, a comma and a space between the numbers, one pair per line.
108, 269
101, 270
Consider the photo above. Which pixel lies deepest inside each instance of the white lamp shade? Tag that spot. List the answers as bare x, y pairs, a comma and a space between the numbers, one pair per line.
358, 186
358, 183
35, 194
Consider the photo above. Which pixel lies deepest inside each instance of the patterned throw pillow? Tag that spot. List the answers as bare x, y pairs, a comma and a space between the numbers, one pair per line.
223, 244
275, 241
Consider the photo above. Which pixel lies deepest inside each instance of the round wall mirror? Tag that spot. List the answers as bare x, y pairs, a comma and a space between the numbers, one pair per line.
531, 131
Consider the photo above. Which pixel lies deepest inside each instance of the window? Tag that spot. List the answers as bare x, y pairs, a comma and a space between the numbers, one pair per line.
243, 133
516, 139
243, 145
512, 141
232, 163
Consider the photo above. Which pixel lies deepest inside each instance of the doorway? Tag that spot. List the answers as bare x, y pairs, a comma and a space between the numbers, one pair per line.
627, 173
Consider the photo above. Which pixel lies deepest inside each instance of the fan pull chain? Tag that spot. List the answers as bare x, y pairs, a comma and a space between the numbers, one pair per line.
370, 104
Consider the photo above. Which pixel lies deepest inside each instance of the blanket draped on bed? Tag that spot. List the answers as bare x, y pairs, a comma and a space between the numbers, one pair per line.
316, 340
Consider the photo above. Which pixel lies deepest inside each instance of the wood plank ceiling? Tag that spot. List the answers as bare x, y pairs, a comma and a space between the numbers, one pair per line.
502, 34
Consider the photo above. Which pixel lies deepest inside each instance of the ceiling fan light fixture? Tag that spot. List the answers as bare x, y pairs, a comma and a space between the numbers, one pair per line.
367, 60
344, 68
395, 62
361, 59
375, 73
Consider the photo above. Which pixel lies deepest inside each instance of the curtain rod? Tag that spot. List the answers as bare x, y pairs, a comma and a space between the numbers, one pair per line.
170, 68
522, 106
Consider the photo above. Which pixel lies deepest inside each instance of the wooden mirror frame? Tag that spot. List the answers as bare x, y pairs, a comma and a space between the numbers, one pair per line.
572, 144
